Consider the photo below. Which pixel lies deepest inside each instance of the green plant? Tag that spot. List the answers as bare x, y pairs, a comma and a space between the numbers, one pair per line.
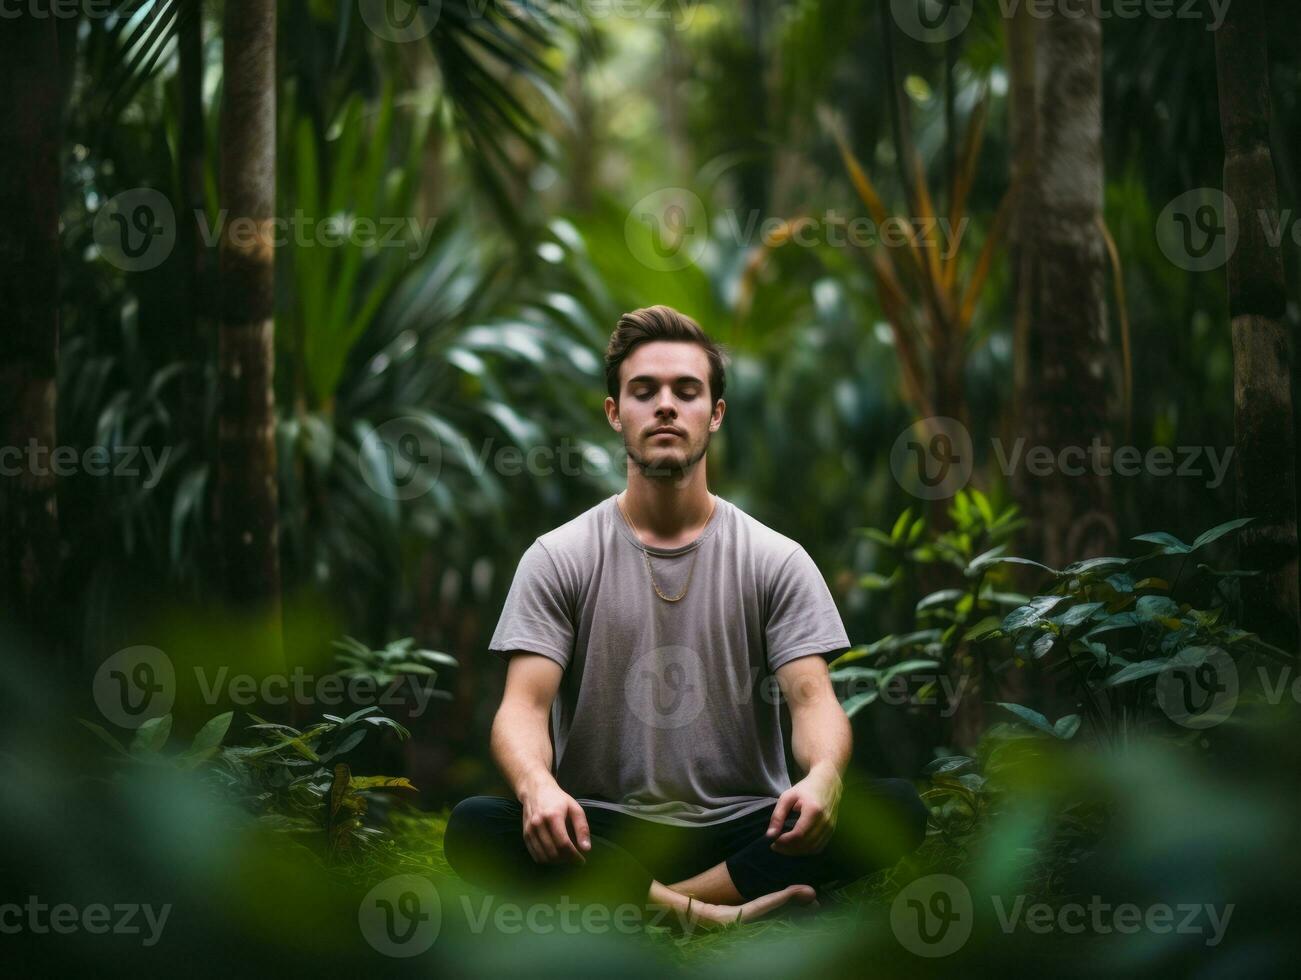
945, 619
1110, 625
391, 663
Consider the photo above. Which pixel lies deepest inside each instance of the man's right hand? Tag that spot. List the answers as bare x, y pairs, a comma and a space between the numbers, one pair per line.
548, 813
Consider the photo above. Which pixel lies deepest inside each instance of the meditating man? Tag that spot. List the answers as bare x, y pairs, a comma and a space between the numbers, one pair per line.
651, 643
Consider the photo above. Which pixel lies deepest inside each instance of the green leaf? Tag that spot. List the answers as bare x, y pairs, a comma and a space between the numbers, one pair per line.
1066, 726
900, 526
949, 764
1077, 614
1134, 672
1169, 544
211, 734
151, 736
1219, 531
380, 782
1150, 607
1031, 717
987, 627
1043, 645
1093, 564
938, 598
859, 701
1031, 613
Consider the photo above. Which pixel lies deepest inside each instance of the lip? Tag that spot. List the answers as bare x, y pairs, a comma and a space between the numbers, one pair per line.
667, 432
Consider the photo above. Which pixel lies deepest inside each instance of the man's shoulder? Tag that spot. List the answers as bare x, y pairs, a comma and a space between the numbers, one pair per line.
577, 535
768, 543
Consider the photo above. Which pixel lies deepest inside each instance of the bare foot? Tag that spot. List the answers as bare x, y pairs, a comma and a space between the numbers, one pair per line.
712, 916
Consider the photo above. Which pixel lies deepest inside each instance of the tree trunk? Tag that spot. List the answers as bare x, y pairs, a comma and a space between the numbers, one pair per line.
30, 110
1070, 513
1262, 390
1023, 134
246, 491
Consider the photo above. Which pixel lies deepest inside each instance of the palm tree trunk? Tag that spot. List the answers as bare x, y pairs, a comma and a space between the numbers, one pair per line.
247, 492
1262, 390
1066, 403
30, 109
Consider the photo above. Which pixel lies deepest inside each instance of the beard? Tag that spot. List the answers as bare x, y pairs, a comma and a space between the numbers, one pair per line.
674, 468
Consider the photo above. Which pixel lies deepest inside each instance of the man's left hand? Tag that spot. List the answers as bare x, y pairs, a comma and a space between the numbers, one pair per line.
817, 798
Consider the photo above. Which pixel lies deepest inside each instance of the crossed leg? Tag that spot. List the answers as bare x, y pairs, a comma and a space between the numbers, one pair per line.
637, 860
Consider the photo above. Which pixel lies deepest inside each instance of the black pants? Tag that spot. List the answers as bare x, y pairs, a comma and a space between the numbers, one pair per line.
879, 820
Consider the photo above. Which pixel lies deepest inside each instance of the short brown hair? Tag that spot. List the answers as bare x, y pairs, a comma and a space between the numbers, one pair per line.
661, 323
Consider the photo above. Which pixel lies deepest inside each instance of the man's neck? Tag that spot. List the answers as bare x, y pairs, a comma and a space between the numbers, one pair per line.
666, 512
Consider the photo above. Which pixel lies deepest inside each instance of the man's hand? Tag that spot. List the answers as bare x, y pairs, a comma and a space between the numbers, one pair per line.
548, 810
817, 798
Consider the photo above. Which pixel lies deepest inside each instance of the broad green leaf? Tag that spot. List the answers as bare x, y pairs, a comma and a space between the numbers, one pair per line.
151, 736
1219, 531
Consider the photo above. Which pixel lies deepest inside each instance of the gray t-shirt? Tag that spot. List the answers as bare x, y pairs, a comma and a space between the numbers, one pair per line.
669, 710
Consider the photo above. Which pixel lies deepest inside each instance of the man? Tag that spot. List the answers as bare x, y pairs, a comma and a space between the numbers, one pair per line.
649, 631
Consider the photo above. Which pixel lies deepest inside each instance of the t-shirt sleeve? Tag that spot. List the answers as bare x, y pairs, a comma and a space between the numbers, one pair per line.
802, 615
536, 616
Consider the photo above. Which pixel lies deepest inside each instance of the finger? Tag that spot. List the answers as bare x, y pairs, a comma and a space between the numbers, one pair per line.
582, 834
780, 811
799, 834
546, 846
531, 844
565, 849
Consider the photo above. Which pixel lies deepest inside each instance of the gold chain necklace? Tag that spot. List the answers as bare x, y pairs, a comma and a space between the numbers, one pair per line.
694, 558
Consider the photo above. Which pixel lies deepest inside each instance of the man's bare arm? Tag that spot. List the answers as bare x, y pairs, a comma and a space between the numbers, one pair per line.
821, 737
822, 742
521, 749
